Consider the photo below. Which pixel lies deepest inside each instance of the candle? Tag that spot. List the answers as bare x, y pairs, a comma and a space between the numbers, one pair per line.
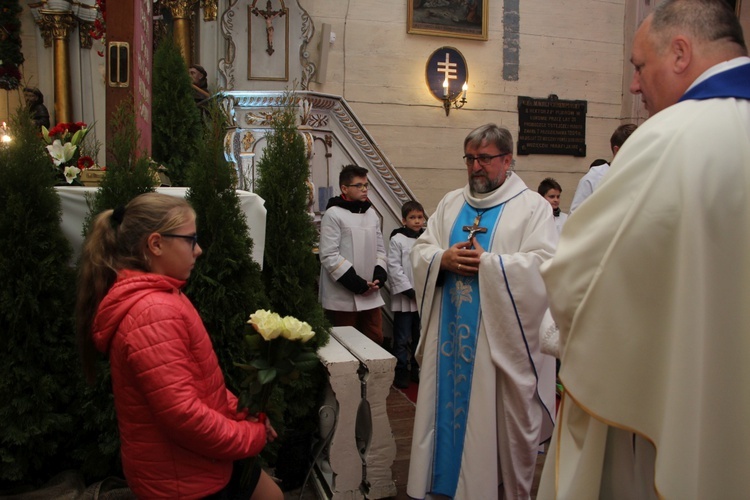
445, 86
464, 88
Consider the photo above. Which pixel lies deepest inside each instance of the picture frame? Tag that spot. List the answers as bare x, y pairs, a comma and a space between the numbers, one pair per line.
268, 41
449, 18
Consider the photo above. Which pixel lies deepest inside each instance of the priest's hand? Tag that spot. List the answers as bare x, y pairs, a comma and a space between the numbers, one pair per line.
477, 247
462, 259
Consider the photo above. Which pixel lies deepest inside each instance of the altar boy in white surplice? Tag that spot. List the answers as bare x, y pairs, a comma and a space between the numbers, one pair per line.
352, 257
486, 392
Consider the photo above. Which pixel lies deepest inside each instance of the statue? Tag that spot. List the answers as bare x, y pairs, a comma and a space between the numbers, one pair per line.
269, 15
35, 104
200, 84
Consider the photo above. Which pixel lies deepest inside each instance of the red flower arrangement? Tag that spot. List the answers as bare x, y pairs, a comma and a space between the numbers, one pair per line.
64, 142
85, 162
63, 130
11, 57
99, 31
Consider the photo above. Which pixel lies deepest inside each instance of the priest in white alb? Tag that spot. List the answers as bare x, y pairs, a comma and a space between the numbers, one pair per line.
486, 395
650, 285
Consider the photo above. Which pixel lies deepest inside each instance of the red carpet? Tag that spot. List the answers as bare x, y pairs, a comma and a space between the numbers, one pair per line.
411, 392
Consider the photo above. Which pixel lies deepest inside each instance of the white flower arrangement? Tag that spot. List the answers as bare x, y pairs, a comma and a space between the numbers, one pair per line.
270, 326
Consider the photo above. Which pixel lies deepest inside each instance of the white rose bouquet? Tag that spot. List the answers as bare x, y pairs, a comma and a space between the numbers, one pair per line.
279, 344
280, 355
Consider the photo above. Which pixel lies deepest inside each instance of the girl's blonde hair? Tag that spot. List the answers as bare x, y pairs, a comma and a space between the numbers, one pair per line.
118, 240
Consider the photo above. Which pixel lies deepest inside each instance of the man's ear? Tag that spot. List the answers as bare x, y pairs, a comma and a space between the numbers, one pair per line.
615, 149
154, 243
682, 51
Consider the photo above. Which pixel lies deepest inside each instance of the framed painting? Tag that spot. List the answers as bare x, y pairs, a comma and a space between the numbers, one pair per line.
452, 18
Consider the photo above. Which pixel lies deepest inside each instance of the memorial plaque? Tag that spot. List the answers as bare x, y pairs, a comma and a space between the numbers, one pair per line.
551, 126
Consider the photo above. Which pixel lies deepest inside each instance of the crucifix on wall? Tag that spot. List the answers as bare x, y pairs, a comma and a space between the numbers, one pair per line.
268, 15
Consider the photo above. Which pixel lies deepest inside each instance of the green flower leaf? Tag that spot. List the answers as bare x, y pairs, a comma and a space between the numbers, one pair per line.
254, 342
260, 364
266, 376
249, 368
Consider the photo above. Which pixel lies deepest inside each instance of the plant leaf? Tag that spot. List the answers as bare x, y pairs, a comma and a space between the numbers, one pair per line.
266, 376
260, 364
254, 342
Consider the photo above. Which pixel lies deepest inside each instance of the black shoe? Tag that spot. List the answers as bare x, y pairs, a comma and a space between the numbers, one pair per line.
415, 375
401, 380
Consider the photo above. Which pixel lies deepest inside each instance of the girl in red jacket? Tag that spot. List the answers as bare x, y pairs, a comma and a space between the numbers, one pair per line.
180, 429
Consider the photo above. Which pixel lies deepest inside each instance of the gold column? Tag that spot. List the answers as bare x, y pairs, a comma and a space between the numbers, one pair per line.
57, 26
181, 11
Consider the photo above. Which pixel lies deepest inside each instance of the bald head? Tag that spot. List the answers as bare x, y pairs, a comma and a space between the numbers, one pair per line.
678, 42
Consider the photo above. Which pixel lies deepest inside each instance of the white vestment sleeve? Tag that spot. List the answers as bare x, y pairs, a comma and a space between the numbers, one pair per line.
381, 256
583, 191
396, 273
330, 247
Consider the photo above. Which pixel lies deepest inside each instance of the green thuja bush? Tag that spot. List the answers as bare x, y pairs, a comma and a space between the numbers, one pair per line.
38, 376
10, 44
291, 270
129, 174
225, 284
177, 125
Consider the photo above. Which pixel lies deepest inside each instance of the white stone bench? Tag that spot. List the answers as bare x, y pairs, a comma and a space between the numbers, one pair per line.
362, 448
339, 470
379, 444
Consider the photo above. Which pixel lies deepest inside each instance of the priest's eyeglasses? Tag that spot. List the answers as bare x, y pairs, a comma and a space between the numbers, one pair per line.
192, 238
483, 160
360, 186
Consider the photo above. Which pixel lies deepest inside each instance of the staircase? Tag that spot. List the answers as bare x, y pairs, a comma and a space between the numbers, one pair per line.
333, 136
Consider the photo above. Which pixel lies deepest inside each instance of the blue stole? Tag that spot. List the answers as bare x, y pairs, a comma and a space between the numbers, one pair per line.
457, 341
734, 82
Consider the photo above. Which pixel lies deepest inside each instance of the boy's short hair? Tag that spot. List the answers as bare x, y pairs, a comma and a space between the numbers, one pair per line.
620, 135
349, 172
597, 162
411, 206
547, 184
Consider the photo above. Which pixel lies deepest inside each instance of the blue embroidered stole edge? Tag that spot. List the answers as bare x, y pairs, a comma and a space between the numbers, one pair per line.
460, 316
733, 82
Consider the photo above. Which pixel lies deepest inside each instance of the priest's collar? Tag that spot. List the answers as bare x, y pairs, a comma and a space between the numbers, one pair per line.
725, 80
512, 187
718, 68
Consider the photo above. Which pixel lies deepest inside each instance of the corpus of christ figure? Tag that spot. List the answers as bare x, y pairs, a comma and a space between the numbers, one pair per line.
475, 228
269, 15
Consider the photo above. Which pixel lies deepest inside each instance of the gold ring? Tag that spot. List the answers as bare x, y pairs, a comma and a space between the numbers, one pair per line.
459, 267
